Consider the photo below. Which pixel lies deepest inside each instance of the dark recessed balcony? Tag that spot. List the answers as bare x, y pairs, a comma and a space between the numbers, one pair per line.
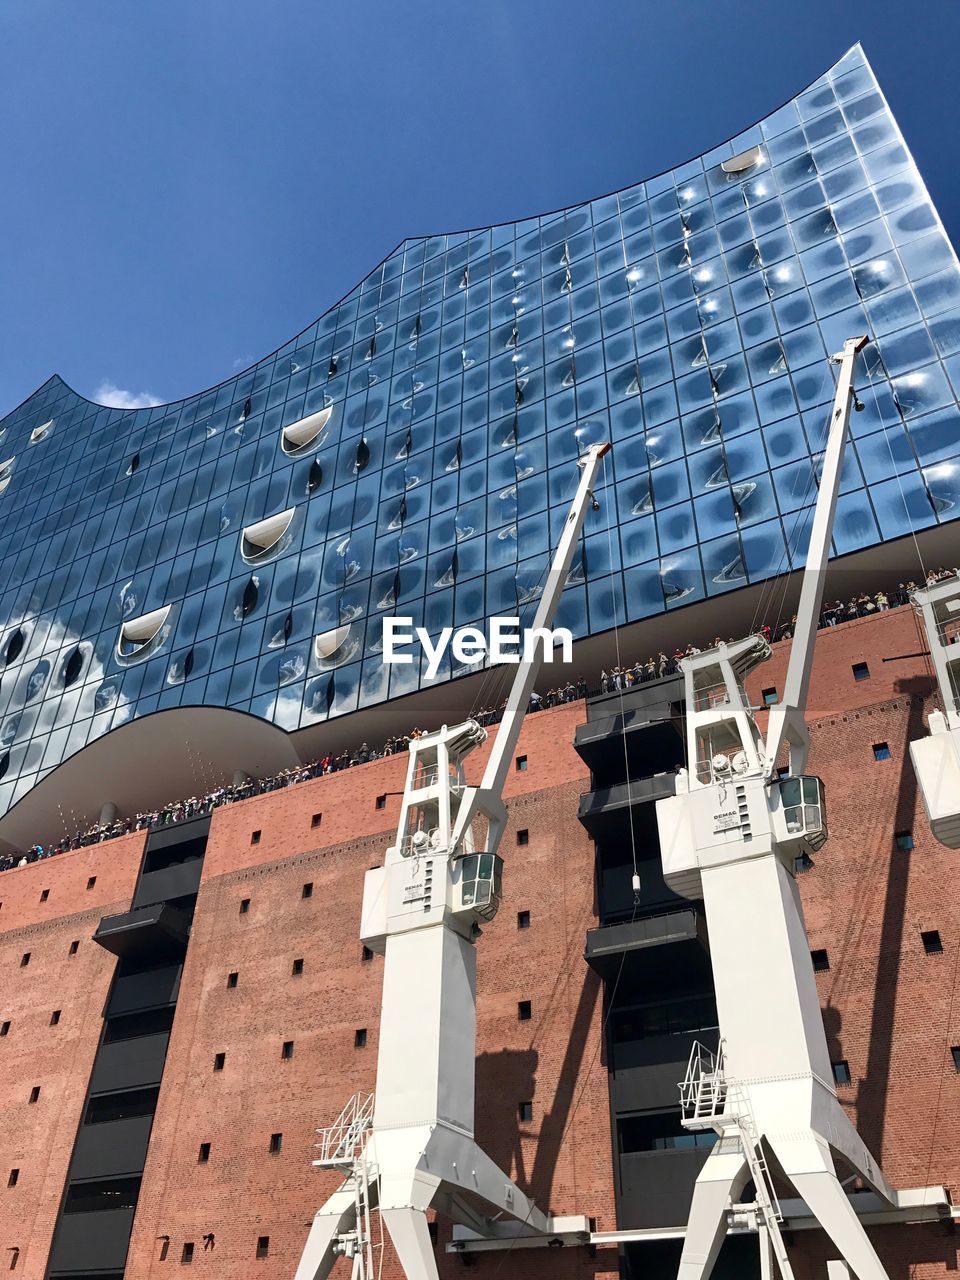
683, 929
160, 930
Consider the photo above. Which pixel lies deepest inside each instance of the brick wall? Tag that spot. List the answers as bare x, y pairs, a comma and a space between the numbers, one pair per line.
37, 1138
553, 1061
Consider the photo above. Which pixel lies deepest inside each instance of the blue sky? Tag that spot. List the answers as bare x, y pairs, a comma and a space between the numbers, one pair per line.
190, 182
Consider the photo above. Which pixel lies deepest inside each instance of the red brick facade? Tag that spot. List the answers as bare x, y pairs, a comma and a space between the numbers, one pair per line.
889, 1006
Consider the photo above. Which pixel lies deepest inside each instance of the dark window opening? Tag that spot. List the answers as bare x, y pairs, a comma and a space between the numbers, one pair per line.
129, 1026
667, 1018
524, 1010
881, 751
526, 1111
803, 863
307, 890
904, 841
932, 942
186, 1256
232, 980
276, 1143
251, 594
107, 1193
244, 906
55, 1017
381, 802
523, 837
203, 1156
955, 1054
841, 1071
360, 1038
125, 1105
5, 1028
14, 646
297, 968
432, 1228
44, 895
821, 960
73, 667
14, 1178
255, 837
315, 820
219, 1061
74, 946
860, 671
365, 954
35, 1093
91, 882
521, 764
523, 919
770, 696
263, 1246
660, 1131
286, 1053
25, 959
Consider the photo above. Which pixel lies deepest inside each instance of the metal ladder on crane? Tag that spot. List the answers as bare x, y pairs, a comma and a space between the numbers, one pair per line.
343, 1146
710, 1100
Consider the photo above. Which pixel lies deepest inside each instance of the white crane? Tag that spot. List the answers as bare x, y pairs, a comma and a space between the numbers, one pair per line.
730, 836
936, 757
410, 1145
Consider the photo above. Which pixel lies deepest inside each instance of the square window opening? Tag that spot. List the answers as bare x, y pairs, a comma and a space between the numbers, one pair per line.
523, 919
55, 1017
219, 1061
526, 1111
523, 837
366, 955
263, 1246
286, 1053
360, 1038
881, 751
14, 1178
955, 1055
307, 890
45, 894
5, 1028
524, 1010
25, 959
186, 1257
932, 942
276, 1143
841, 1071
74, 947
232, 980
297, 969
244, 906
821, 961
860, 671
255, 837
91, 883
521, 764
381, 802
315, 820
203, 1155
35, 1093
904, 841
770, 696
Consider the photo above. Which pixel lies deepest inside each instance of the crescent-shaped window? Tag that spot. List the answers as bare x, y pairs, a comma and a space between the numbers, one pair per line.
257, 539
6, 471
327, 643
137, 633
38, 433
304, 432
745, 160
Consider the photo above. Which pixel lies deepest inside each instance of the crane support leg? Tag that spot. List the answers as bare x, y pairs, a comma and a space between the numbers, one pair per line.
720, 1182
809, 1166
411, 1239
337, 1216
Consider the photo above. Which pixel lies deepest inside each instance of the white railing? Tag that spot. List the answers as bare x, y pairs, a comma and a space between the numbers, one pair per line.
341, 1142
703, 1091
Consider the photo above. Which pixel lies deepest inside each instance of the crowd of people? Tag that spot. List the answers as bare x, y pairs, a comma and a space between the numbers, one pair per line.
619, 677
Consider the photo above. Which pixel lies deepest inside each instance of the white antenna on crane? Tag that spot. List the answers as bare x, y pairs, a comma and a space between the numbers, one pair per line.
731, 835
411, 1147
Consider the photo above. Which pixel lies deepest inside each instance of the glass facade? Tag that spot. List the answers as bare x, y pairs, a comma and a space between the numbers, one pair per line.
688, 319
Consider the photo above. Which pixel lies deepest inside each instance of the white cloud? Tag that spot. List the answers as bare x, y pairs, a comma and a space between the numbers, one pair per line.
109, 393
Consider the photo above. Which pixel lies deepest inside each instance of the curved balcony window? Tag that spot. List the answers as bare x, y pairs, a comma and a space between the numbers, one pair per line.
41, 432
742, 162
251, 594
140, 634
258, 540
6, 471
72, 667
315, 477
305, 432
14, 646
331, 646
4, 763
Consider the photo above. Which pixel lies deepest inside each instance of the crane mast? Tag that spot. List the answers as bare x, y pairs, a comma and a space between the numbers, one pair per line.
410, 1146
731, 835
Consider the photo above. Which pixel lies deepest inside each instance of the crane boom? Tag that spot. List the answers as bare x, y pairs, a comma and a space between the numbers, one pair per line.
786, 721
486, 798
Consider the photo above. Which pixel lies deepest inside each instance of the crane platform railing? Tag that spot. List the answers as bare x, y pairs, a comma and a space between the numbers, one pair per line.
341, 1142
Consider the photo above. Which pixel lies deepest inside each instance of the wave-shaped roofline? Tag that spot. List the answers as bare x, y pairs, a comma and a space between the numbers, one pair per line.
463, 231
